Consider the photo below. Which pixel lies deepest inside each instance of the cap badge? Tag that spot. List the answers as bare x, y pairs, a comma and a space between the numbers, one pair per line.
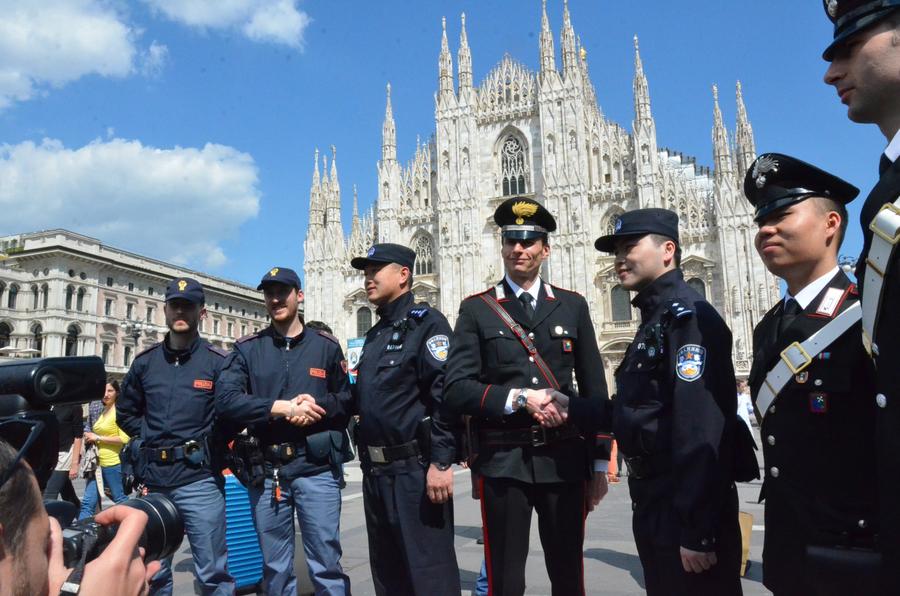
618, 225
273, 272
371, 252
523, 209
181, 285
832, 8
763, 166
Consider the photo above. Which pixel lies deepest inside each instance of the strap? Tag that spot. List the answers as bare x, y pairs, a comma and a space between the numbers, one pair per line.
797, 356
523, 338
535, 436
885, 234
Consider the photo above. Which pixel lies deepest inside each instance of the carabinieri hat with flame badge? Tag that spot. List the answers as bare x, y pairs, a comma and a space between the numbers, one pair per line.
521, 218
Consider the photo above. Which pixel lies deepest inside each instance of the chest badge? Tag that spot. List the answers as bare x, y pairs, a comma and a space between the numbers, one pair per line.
690, 362
801, 377
319, 373
818, 403
830, 302
567, 345
438, 346
203, 384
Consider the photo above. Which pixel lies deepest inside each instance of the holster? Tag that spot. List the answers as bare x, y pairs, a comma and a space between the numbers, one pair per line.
133, 463
245, 459
332, 446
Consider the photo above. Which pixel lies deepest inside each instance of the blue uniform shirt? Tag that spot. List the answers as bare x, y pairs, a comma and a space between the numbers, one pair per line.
167, 399
265, 367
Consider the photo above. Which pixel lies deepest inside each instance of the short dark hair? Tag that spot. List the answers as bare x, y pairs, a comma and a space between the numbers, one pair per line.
320, 326
659, 239
19, 500
826, 205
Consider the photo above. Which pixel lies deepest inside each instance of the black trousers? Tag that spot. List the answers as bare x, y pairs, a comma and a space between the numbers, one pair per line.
411, 548
59, 485
506, 507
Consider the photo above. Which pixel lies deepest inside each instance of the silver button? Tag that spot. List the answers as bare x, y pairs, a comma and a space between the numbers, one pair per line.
881, 400
557, 330
817, 382
531, 359
531, 336
640, 364
771, 409
501, 332
705, 542
862, 524
773, 472
534, 380
392, 361
875, 349
770, 439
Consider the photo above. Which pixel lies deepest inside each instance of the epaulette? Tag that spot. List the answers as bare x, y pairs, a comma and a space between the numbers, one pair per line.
217, 350
481, 293
328, 336
678, 309
246, 338
418, 312
147, 350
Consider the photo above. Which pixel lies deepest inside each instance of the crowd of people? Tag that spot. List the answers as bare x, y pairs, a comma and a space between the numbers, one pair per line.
516, 390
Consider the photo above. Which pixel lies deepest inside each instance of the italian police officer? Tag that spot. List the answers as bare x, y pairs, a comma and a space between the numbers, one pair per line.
514, 345
304, 454
812, 384
406, 439
167, 407
675, 417
864, 57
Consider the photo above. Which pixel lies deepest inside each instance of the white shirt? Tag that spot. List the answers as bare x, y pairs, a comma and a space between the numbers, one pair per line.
809, 293
892, 152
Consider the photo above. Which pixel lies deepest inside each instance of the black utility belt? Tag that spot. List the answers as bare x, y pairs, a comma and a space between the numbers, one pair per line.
192, 451
645, 466
282, 453
534, 436
391, 453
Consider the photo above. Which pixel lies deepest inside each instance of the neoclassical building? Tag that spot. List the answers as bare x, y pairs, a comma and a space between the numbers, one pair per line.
543, 135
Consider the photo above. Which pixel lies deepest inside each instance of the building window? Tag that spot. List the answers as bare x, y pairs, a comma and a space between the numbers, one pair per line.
697, 284
130, 286
230, 329
621, 304
149, 318
2, 289
105, 354
72, 340
243, 330
45, 296
11, 297
37, 339
230, 308
215, 328
79, 303
126, 360
70, 294
363, 321
109, 282
5, 332
424, 255
129, 310
149, 291
108, 307
35, 296
513, 167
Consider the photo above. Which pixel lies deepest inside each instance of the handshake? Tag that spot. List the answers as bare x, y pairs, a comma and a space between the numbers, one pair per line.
548, 407
299, 411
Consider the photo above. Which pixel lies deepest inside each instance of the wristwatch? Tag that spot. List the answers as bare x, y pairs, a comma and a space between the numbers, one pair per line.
441, 467
521, 399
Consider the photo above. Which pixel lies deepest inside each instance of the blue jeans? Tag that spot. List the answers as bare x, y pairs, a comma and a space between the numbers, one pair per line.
202, 507
112, 477
317, 500
481, 584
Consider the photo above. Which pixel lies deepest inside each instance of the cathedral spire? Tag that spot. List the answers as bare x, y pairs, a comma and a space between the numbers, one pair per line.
642, 113
333, 204
464, 58
567, 43
548, 55
388, 132
316, 211
721, 153
744, 145
445, 65
335, 185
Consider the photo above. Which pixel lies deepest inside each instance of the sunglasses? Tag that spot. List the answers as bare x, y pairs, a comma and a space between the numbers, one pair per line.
23, 435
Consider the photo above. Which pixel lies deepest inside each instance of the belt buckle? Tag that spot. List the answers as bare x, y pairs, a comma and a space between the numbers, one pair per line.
376, 455
885, 218
192, 452
786, 356
538, 436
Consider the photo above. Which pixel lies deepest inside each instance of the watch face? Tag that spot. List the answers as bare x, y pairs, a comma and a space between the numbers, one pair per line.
521, 400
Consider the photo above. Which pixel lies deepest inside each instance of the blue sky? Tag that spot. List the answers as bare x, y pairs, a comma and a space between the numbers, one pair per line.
185, 129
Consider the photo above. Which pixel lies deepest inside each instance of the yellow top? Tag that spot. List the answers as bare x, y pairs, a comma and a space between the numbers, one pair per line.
106, 426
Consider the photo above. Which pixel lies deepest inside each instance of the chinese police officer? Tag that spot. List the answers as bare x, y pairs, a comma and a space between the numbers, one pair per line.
813, 386
303, 455
406, 440
513, 345
675, 417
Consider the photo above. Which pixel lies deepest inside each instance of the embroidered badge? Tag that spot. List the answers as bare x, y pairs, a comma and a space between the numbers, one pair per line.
818, 403
830, 302
801, 377
273, 272
317, 372
203, 384
567, 345
618, 225
181, 285
438, 346
371, 252
689, 362
763, 166
832, 8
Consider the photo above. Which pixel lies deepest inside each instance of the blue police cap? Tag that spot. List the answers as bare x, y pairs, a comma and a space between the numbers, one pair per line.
522, 218
775, 181
280, 275
185, 288
640, 222
852, 16
386, 253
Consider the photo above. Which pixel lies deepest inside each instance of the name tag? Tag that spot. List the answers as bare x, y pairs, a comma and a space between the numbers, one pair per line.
203, 384
317, 372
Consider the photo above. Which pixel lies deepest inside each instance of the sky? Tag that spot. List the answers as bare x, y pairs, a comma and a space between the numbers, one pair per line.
185, 129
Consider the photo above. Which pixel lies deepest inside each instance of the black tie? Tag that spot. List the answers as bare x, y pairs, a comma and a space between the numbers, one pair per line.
788, 314
525, 299
884, 164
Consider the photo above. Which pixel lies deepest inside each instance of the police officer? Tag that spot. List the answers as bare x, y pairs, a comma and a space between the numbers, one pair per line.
675, 417
816, 399
514, 344
406, 440
167, 406
286, 361
864, 57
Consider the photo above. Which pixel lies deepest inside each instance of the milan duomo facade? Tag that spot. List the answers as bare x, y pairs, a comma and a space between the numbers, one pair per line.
541, 135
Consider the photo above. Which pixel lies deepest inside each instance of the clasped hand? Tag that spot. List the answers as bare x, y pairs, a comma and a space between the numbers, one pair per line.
548, 407
302, 410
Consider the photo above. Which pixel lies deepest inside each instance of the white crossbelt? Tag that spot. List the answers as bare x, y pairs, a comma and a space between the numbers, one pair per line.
885, 234
797, 356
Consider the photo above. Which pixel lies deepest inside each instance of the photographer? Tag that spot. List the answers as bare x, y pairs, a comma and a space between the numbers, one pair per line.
31, 559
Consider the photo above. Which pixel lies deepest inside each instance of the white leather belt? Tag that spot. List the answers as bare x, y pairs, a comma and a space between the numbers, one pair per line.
796, 357
885, 234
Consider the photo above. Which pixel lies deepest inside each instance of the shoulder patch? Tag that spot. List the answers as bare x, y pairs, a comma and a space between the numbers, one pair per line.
438, 347
147, 350
418, 312
246, 338
679, 309
689, 362
217, 350
328, 336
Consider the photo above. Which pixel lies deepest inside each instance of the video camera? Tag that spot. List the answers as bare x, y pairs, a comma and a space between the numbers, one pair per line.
28, 389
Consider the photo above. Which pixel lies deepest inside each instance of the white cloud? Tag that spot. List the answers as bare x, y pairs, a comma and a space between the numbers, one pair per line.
273, 21
175, 204
154, 59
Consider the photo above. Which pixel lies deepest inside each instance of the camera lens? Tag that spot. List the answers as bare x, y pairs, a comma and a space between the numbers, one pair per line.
49, 385
165, 529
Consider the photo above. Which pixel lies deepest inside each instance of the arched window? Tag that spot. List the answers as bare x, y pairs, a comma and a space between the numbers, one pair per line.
610, 226
424, 248
697, 284
2, 289
621, 304
11, 298
5, 332
79, 305
45, 296
70, 294
37, 338
513, 167
34, 297
363, 321
72, 340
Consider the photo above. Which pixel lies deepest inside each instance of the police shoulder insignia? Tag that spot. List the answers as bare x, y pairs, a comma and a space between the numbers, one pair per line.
679, 309
147, 350
438, 346
217, 350
690, 361
246, 338
418, 312
328, 336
